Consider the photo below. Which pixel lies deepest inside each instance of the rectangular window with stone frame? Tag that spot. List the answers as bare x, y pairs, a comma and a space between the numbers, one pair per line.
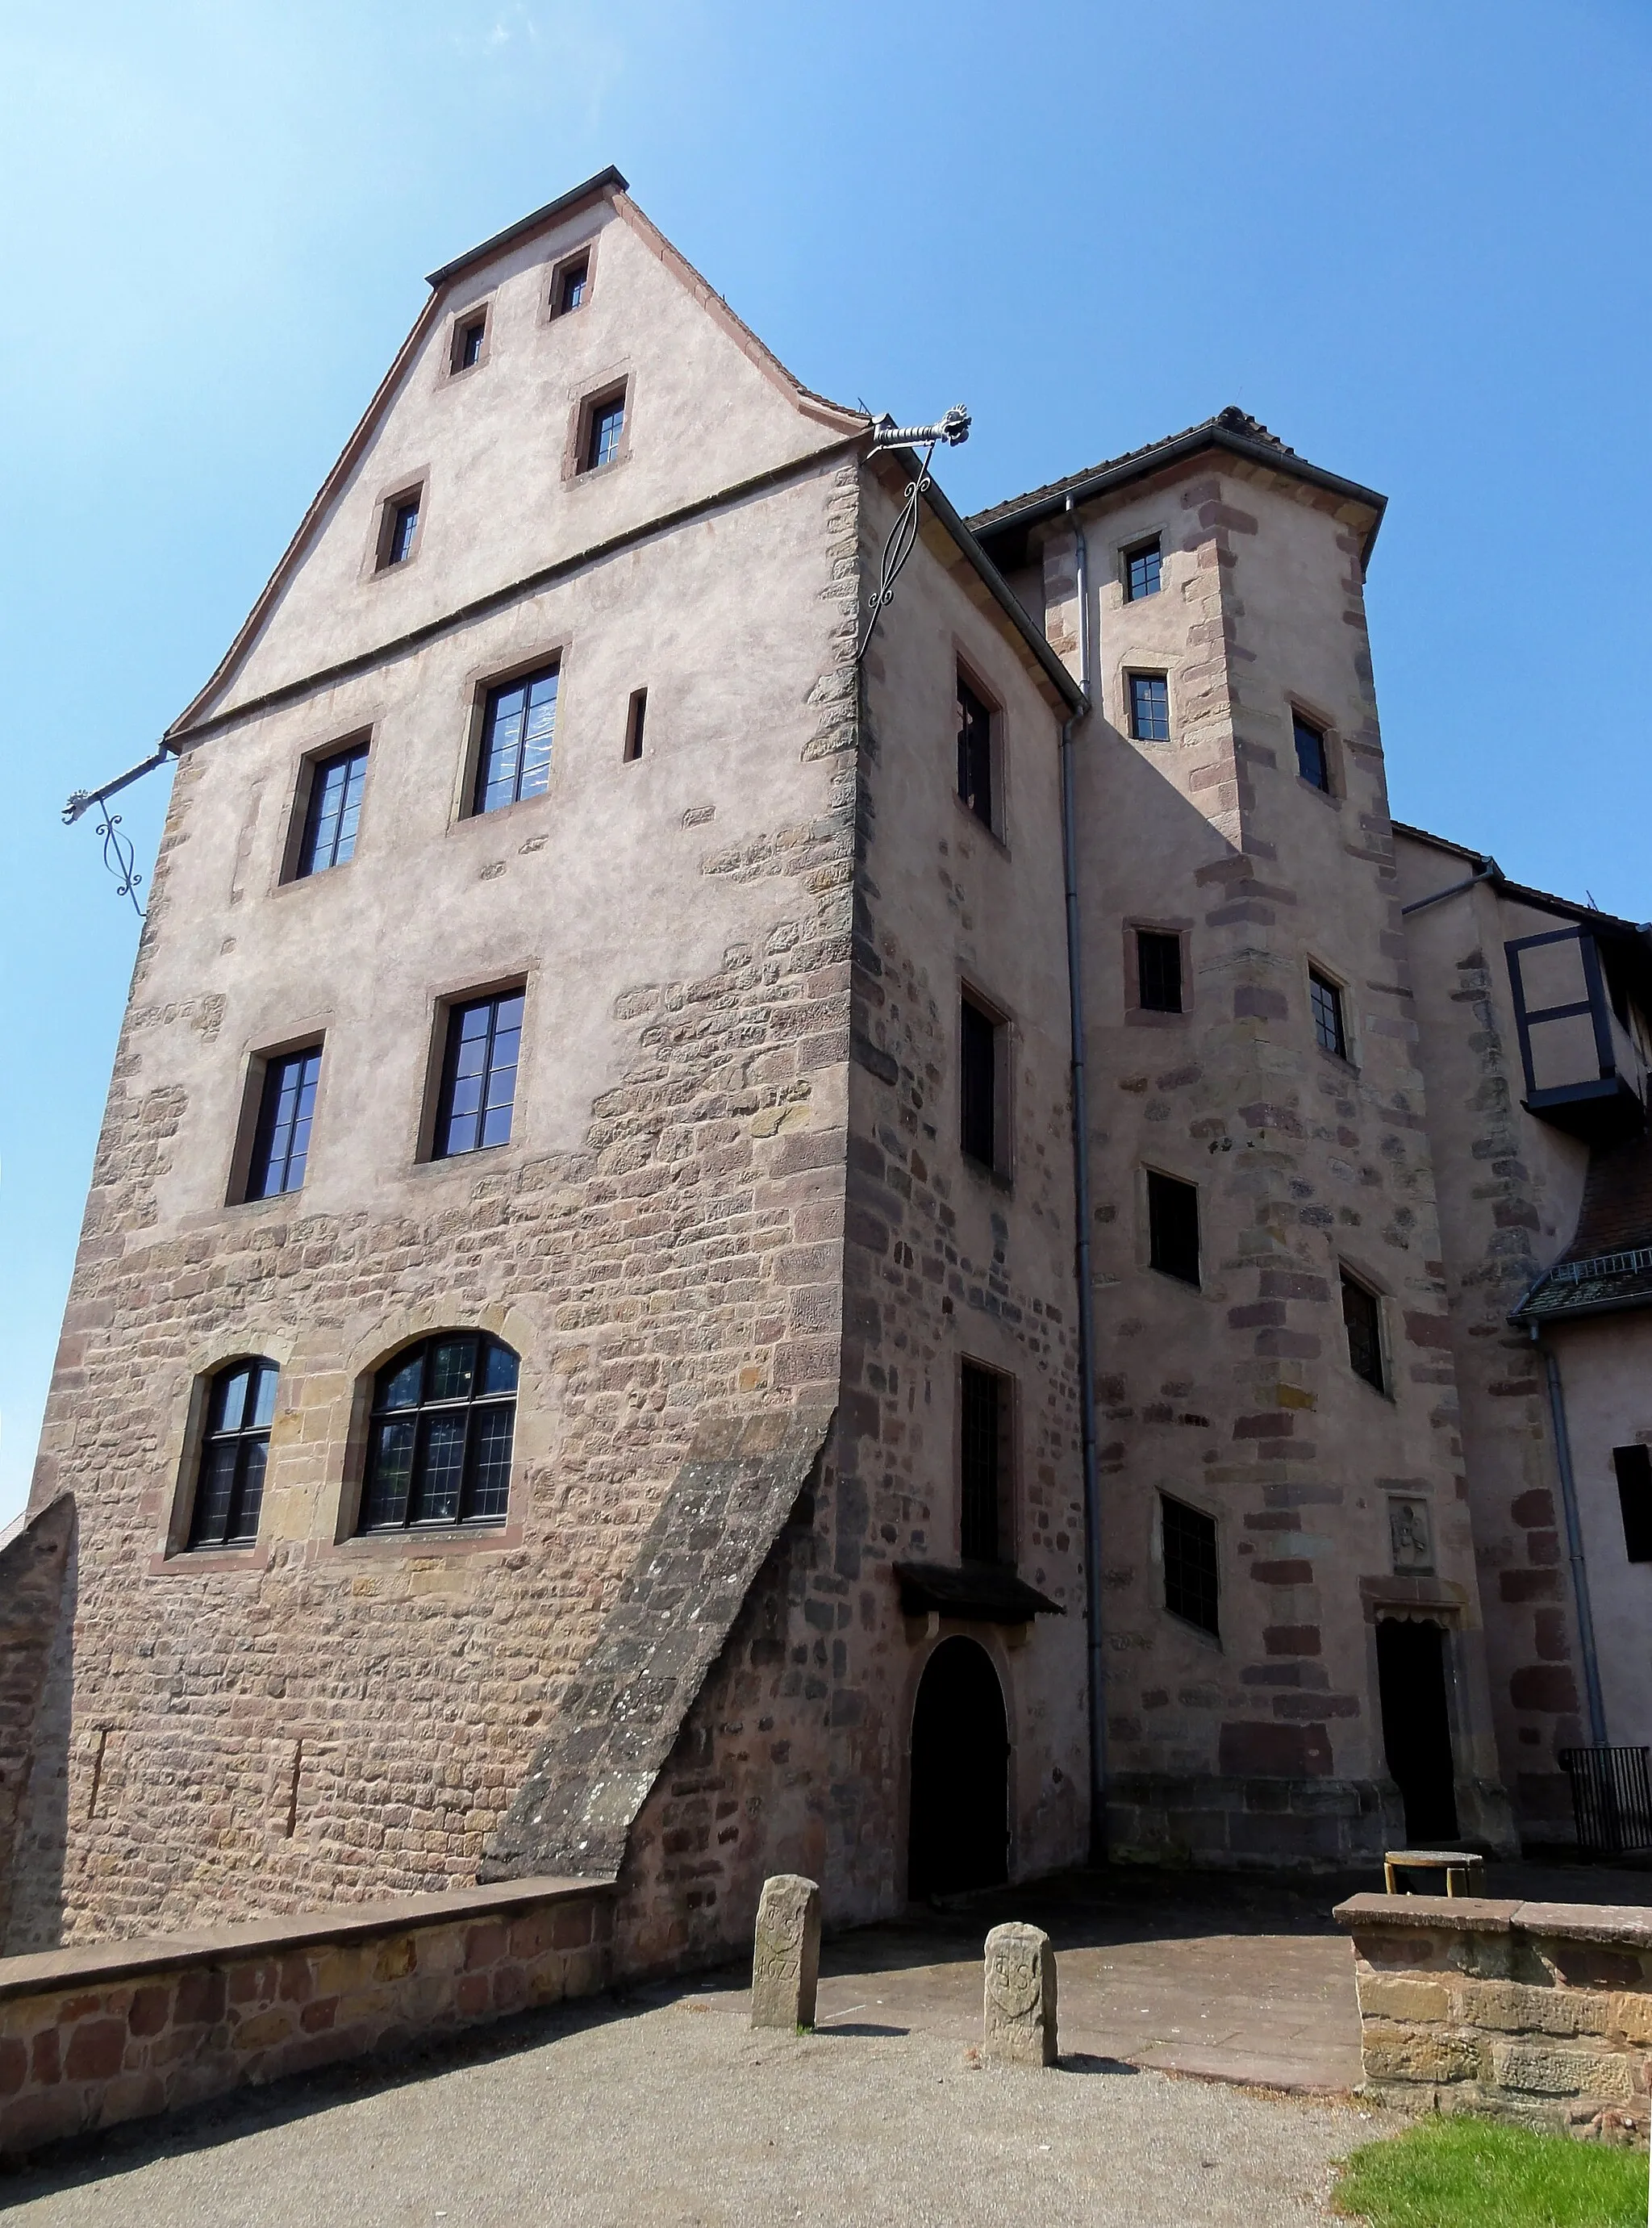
1192, 1587
985, 1408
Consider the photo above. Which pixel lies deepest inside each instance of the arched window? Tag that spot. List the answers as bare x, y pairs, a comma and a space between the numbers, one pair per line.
438, 1446
229, 1484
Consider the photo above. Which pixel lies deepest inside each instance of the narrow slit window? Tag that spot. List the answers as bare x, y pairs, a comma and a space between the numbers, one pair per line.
1313, 760
1149, 707
979, 1048
478, 1088
570, 285
636, 717
983, 1464
1326, 999
974, 753
1173, 1227
281, 1140
518, 729
1634, 1467
335, 809
1363, 1315
1191, 1575
400, 531
607, 424
234, 1452
1158, 971
1142, 570
439, 1443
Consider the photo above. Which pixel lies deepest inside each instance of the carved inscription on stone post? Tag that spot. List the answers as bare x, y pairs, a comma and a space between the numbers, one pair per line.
1018, 2026
785, 1956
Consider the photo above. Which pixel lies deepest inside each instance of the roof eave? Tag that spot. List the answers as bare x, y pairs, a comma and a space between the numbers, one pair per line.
600, 187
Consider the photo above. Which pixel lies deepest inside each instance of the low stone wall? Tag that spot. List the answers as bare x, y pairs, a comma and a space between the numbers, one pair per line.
1538, 2012
117, 2029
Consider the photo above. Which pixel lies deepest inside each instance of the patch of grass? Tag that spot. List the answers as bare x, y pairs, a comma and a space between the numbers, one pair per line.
1464, 2173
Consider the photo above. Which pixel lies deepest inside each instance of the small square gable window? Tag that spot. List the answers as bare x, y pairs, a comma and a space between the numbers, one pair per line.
398, 529
470, 346
570, 284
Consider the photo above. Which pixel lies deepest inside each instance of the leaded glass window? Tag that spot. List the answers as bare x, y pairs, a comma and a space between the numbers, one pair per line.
229, 1486
281, 1140
1149, 707
1190, 1567
518, 727
438, 1440
478, 1075
334, 810
1326, 999
1141, 571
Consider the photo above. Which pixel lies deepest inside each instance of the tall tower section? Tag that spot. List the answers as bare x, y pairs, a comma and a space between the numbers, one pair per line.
1285, 1540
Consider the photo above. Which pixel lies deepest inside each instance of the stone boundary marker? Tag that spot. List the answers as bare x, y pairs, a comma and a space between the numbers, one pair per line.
786, 1953
1018, 2013
120, 2030
1534, 2012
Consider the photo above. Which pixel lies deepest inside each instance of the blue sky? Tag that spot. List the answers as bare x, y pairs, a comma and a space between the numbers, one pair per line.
1412, 238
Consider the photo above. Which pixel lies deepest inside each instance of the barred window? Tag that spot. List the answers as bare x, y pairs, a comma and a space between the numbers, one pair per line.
518, 727
229, 1485
281, 1140
1363, 1314
1327, 1002
1158, 971
1190, 1571
335, 808
1149, 707
1141, 571
478, 1089
439, 1447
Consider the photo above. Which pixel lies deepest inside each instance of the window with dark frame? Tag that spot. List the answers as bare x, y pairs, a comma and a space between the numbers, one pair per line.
1363, 1315
439, 1437
636, 715
478, 1087
401, 527
974, 753
468, 338
978, 1084
982, 1462
1141, 571
1191, 1575
518, 729
571, 283
333, 811
602, 438
1149, 707
1158, 971
281, 1138
234, 1452
1634, 1467
1313, 760
1326, 1001
1173, 1227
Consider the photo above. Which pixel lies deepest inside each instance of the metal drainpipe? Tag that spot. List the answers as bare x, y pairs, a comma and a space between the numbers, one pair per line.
1574, 1543
1096, 1680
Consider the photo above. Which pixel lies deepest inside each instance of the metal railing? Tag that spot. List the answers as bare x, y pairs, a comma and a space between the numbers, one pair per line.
1601, 1265
1611, 1798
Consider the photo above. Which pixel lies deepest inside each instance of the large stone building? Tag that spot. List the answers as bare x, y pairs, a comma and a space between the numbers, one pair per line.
593, 1350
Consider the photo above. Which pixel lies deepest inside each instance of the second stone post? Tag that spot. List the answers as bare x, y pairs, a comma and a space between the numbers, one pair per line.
1018, 2023
785, 1956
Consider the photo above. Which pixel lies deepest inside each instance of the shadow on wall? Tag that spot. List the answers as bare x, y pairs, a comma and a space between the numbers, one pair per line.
38, 1592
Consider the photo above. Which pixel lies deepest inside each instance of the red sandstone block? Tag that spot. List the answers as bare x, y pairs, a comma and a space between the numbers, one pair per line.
297, 1982
14, 2065
484, 1945
31, 2121
149, 2012
319, 2015
572, 1926
529, 1935
131, 2097
471, 1995
510, 1990
45, 2061
96, 2050
201, 1996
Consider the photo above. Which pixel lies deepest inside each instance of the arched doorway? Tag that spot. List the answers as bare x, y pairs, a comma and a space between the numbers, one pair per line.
959, 1835
1417, 1727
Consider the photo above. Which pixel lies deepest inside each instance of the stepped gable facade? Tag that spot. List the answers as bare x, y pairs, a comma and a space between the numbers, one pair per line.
577, 1357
